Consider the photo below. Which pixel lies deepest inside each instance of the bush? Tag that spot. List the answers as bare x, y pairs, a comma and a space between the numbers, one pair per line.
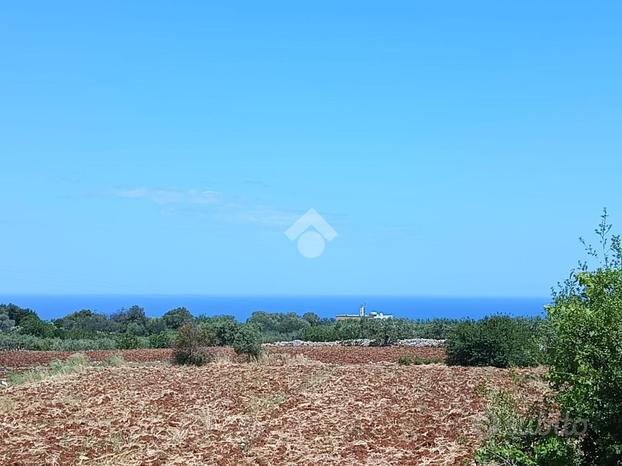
274, 326
16, 313
177, 318
224, 327
437, 329
32, 325
586, 360
498, 341
405, 360
15, 341
156, 325
528, 439
321, 332
133, 320
248, 341
586, 351
128, 341
161, 340
190, 344
56, 344
84, 324
383, 332
6, 323
312, 318
585, 346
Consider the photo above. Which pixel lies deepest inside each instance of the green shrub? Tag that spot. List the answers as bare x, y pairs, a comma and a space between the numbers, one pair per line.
585, 359
161, 340
190, 344
248, 341
437, 329
224, 329
321, 332
32, 325
382, 332
84, 324
277, 326
223, 326
82, 345
312, 318
128, 341
156, 325
14, 341
524, 439
586, 351
176, 318
498, 341
16, 313
6, 323
405, 360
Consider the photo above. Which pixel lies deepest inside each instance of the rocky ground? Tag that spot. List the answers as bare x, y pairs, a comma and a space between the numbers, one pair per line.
414, 342
326, 406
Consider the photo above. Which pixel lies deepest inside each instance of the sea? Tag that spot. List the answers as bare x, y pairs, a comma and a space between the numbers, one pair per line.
412, 307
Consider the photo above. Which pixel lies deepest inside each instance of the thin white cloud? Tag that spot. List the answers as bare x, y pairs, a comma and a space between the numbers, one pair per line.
172, 196
212, 203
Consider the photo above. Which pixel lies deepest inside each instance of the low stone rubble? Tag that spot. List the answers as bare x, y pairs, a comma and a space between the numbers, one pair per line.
412, 342
422, 343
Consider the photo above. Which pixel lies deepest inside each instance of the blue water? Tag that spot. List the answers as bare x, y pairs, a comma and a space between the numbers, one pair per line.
54, 306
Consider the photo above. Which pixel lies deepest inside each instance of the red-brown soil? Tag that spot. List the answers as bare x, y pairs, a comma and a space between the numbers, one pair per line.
288, 409
363, 355
328, 354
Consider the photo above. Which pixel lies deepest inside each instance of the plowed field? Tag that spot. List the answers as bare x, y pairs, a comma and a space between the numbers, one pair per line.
287, 410
327, 354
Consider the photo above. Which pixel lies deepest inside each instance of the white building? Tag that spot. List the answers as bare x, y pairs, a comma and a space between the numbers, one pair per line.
363, 315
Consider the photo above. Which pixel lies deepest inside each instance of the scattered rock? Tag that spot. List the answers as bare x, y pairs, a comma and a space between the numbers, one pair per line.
412, 342
422, 343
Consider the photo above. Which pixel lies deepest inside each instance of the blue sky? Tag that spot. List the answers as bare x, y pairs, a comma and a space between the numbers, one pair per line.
457, 148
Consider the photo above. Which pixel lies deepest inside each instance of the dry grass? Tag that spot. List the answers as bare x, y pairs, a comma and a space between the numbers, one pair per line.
19, 359
73, 364
282, 410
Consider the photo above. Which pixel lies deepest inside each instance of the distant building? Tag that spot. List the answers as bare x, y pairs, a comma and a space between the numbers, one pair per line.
359, 316
363, 315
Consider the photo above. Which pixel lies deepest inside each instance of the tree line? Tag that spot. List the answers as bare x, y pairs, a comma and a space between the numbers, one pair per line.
131, 328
